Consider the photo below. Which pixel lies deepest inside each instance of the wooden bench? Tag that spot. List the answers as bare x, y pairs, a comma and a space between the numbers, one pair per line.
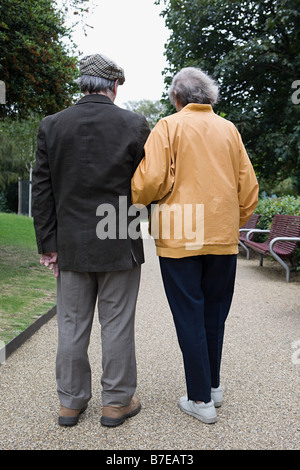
281, 242
251, 224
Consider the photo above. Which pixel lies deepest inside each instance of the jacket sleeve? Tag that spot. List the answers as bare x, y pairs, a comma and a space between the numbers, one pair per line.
154, 177
43, 208
247, 186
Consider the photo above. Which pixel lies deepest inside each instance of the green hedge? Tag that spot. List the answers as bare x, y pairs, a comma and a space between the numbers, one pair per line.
268, 207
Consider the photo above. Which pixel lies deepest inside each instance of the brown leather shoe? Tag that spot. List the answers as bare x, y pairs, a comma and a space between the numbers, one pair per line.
115, 415
68, 417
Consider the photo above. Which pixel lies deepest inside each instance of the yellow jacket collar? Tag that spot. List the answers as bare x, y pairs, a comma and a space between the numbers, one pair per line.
198, 107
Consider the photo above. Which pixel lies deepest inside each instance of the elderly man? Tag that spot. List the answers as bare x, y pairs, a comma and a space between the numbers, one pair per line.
197, 168
85, 160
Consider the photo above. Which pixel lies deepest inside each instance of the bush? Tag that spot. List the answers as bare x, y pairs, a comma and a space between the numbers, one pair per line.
268, 207
9, 198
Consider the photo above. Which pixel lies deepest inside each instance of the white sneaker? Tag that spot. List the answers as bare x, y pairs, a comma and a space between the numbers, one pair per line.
205, 412
217, 396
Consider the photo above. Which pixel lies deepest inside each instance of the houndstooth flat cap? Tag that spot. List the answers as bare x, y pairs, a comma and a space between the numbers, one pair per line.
99, 65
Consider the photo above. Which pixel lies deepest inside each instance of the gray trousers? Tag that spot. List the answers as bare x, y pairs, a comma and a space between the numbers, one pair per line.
77, 294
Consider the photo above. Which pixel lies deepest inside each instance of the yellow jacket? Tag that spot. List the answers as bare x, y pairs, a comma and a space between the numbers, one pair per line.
197, 170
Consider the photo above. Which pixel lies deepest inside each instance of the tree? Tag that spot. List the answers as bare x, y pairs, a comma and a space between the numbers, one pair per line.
17, 153
17, 148
152, 110
35, 64
252, 49
38, 65
76, 8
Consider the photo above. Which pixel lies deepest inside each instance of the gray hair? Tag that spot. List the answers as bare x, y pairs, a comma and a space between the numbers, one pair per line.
91, 84
191, 85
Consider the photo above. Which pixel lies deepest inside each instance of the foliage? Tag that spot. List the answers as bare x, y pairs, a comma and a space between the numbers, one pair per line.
285, 187
75, 8
9, 198
38, 69
7, 164
17, 153
152, 110
268, 207
35, 63
3, 203
17, 148
252, 48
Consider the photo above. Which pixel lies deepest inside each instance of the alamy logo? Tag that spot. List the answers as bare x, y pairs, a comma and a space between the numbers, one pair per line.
175, 221
296, 353
2, 352
2, 92
296, 94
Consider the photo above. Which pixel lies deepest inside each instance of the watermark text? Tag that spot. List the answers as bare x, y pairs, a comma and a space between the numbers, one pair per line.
296, 94
2, 352
296, 353
175, 221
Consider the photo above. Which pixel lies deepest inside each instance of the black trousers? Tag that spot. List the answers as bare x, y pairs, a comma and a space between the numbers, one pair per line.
199, 290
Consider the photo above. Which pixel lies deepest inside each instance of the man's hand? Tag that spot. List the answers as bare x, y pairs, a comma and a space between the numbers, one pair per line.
50, 259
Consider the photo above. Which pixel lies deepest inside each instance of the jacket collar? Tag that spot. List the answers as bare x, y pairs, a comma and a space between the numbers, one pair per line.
94, 98
197, 107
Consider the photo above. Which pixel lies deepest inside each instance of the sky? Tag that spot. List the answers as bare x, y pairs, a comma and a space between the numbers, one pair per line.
131, 33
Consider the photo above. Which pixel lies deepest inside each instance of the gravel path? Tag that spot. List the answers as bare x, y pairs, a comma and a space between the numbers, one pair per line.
260, 374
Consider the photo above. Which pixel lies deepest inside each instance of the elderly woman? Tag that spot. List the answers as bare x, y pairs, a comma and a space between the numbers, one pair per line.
198, 172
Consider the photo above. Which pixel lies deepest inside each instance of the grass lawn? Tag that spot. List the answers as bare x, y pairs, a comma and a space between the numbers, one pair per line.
28, 290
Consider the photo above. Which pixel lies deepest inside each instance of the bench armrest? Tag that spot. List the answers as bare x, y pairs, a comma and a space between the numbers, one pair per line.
255, 230
286, 239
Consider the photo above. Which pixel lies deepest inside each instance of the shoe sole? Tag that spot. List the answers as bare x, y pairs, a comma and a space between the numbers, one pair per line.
200, 418
113, 422
70, 420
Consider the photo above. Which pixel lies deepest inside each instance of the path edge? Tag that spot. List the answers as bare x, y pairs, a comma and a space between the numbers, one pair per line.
19, 340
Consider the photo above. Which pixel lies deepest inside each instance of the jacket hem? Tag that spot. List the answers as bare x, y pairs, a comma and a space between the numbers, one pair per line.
206, 250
